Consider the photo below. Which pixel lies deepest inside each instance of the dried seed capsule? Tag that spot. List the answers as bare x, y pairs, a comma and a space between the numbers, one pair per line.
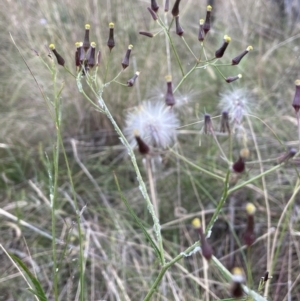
169, 100
111, 39
86, 41
206, 25
237, 59
125, 62
131, 81
175, 9
296, 101
154, 5
220, 52
231, 79
60, 60
179, 29
147, 34
201, 33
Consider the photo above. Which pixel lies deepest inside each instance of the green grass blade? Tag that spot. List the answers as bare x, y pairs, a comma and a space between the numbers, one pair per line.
39, 292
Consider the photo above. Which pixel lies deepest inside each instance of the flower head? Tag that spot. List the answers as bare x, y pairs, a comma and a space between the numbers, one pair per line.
155, 122
236, 104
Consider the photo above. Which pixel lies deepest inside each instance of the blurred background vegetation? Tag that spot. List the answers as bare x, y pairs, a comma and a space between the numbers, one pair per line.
120, 264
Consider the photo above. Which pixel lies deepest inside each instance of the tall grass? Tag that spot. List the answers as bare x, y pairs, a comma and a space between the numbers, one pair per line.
77, 216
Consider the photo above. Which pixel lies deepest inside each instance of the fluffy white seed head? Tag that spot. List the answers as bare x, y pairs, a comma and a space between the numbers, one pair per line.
154, 121
236, 104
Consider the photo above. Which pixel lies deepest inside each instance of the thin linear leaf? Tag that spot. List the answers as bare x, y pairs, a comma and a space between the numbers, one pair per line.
39, 292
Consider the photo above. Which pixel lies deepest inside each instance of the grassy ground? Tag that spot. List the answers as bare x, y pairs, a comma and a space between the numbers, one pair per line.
118, 261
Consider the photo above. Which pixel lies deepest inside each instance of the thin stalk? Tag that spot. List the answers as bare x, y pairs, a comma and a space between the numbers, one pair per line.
152, 185
107, 66
142, 186
198, 167
185, 77
53, 193
287, 209
237, 187
190, 50
220, 205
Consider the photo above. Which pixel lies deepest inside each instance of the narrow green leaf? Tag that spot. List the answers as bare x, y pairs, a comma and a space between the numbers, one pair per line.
39, 292
138, 221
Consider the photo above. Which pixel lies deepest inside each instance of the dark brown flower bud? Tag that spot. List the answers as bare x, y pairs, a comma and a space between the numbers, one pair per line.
81, 52
179, 29
153, 14
167, 5
143, 147
225, 127
147, 34
131, 81
86, 41
169, 100
238, 278
201, 33
60, 60
296, 101
98, 58
206, 25
154, 5
125, 62
237, 59
111, 39
175, 9
231, 79
220, 52
91, 55
239, 165
208, 128
288, 155
77, 54
206, 248
249, 236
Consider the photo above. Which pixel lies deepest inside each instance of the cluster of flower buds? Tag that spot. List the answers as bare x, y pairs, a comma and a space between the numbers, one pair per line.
205, 246
86, 57
204, 28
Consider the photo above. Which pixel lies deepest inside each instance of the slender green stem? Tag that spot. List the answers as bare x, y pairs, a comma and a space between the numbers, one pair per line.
220, 204
237, 187
198, 167
185, 77
107, 66
54, 189
174, 50
190, 50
